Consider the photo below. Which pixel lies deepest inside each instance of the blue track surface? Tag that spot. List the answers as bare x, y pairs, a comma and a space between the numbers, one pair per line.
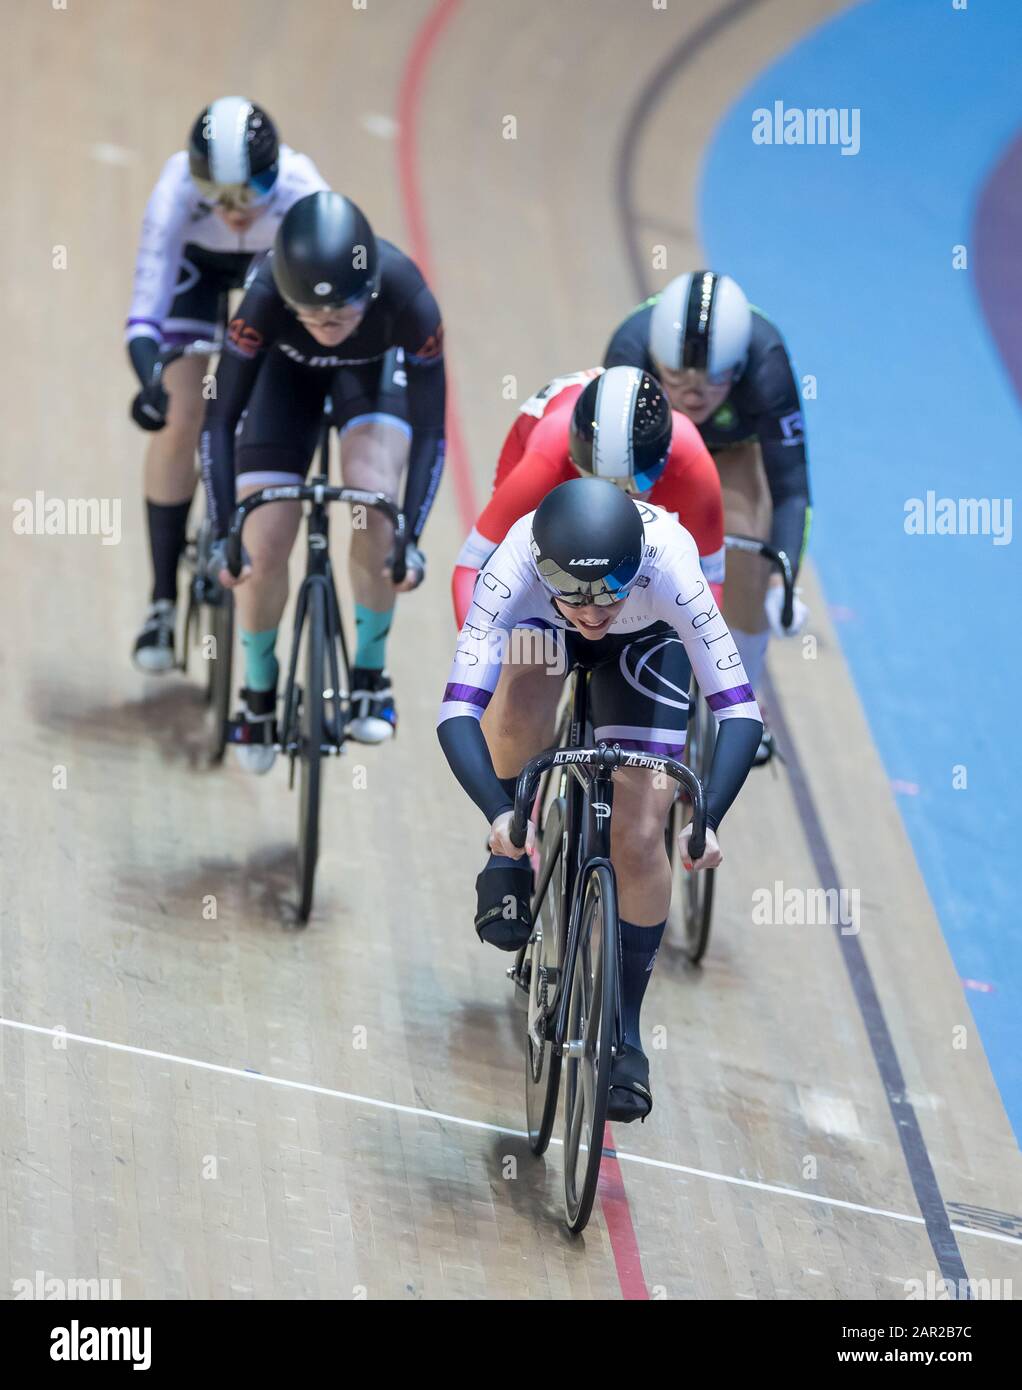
852, 258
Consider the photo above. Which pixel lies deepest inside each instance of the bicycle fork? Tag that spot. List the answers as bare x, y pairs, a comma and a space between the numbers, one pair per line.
593, 843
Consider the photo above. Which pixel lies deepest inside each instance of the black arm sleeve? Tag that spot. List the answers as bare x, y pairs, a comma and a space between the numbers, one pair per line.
464, 746
737, 741
143, 353
420, 332
628, 346
781, 431
248, 334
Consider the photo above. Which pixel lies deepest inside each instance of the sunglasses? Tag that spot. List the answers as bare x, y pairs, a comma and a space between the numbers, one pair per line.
695, 377
239, 197
595, 593
591, 599
645, 481
323, 316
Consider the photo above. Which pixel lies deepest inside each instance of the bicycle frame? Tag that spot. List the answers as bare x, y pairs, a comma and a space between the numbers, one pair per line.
319, 493
591, 790
319, 572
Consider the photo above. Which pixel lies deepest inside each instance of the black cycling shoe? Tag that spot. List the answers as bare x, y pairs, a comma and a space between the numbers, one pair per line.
630, 1096
766, 749
503, 909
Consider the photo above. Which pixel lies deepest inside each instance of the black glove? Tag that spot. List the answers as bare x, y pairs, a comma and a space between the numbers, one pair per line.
415, 563
216, 559
149, 408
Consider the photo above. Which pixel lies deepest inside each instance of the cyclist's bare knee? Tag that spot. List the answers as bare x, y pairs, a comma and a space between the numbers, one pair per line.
520, 719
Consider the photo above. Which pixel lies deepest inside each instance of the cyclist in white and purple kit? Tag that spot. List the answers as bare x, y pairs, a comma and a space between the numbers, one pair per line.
618, 585
215, 207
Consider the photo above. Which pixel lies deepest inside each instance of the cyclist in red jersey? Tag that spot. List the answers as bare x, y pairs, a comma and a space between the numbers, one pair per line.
534, 410
537, 456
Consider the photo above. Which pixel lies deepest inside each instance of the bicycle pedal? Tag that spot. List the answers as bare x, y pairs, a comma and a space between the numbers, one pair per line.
239, 730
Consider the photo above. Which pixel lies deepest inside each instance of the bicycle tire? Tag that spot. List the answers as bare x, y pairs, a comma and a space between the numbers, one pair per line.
694, 891
191, 622
592, 1031
219, 676
310, 756
542, 1062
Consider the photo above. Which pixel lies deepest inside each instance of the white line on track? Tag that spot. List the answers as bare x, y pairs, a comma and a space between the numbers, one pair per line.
247, 1075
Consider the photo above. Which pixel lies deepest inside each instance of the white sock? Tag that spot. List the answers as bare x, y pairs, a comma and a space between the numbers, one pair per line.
752, 649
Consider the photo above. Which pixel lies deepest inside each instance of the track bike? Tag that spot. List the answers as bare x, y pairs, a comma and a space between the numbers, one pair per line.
692, 892
568, 974
209, 611
316, 712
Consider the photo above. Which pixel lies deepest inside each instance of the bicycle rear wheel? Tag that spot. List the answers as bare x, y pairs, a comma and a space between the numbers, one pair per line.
694, 891
310, 750
542, 967
589, 1046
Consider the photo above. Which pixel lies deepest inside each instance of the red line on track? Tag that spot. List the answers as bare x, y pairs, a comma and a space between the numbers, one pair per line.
618, 1216
613, 1198
409, 97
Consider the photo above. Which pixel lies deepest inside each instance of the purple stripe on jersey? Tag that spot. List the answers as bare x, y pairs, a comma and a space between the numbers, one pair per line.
643, 745
737, 695
153, 323
180, 339
468, 695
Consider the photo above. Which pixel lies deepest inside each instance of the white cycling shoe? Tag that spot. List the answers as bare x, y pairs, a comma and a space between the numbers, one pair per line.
154, 646
372, 702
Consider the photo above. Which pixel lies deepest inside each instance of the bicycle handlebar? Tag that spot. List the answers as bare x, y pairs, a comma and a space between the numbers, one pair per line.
319, 493
778, 559
198, 348
605, 758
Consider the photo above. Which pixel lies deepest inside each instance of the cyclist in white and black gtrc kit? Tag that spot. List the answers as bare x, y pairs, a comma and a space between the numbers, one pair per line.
619, 584
215, 207
724, 365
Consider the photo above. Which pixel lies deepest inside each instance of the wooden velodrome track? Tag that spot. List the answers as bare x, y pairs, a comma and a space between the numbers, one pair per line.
245, 1110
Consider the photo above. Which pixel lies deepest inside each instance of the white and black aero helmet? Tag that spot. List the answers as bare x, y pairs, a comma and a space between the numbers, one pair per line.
587, 542
621, 429
234, 152
701, 320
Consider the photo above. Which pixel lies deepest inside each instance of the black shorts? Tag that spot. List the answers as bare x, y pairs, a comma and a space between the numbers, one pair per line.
199, 306
280, 428
639, 688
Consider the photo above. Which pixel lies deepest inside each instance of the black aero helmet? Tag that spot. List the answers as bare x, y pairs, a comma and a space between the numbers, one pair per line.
587, 541
325, 253
233, 152
621, 429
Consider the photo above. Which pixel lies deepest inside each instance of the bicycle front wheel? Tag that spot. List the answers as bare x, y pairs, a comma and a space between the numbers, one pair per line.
219, 665
694, 891
589, 1046
542, 967
310, 748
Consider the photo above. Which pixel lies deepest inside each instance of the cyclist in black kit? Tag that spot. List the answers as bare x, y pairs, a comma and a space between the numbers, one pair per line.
724, 365
331, 311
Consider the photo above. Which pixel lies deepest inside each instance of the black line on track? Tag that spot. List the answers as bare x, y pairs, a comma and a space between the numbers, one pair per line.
906, 1121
